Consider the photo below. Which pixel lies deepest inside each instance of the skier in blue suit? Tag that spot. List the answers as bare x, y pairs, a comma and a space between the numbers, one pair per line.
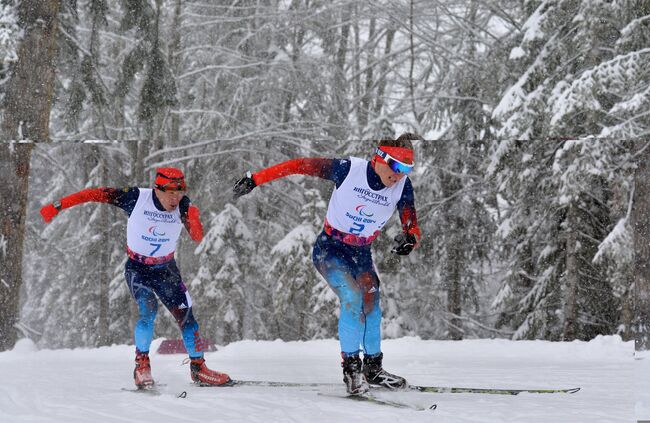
366, 195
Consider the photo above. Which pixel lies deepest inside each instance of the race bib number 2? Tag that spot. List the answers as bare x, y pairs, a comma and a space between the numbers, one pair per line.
357, 228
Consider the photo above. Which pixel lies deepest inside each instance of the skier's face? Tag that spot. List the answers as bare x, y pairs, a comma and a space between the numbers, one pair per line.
386, 174
169, 199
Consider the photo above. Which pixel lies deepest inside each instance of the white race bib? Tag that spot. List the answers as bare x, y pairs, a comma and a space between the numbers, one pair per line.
151, 232
357, 209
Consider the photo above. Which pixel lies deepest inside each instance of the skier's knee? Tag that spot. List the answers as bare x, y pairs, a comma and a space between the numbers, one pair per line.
184, 317
148, 311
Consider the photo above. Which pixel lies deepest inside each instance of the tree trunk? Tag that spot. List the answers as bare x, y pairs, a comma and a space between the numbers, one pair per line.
570, 309
297, 42
14, 173
454, 292
356, 54
26, 116
455, 263
412, 58
641, 233
29, 94
98, 18
174, 64
103, 279
627, 312
364, 110
338, 114
383, 73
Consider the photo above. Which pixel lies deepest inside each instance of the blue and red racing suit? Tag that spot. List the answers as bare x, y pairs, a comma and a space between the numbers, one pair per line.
360, 206
151, 271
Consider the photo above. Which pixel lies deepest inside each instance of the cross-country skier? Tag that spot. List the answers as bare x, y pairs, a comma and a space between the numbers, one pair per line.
366, 195
156, 218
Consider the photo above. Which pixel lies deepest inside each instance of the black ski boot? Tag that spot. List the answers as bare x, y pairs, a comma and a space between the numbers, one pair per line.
353, 377
376, 375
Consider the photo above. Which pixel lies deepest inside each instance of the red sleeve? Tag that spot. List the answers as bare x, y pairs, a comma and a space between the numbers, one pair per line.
313, 167
409, 221
98, 195
193, 223
407, 214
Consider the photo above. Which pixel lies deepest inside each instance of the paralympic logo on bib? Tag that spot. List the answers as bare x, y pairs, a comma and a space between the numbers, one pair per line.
154, 231
360, 208
363, 217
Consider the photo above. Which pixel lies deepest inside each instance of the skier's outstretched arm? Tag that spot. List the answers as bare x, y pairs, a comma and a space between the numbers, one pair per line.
123, 198
191, 218
332, 169
411, 234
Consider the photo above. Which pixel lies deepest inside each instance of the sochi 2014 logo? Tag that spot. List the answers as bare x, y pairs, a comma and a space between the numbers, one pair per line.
154, 231
363, 213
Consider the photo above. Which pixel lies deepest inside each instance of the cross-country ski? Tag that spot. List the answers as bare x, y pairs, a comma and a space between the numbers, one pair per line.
418, 388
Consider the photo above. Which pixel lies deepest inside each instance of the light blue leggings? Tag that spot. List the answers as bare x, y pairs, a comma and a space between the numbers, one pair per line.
350, 272
162, 281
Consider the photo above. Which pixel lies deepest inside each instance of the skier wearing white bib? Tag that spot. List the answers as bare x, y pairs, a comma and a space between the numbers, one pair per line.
156, 218
366, 196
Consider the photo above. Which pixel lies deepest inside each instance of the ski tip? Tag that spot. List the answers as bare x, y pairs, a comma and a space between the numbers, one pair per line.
572, 390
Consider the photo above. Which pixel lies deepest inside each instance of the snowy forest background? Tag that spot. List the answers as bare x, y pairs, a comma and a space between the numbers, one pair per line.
535, 112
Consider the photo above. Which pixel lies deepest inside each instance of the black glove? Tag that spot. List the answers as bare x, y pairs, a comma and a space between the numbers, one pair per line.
405, 244
243, 186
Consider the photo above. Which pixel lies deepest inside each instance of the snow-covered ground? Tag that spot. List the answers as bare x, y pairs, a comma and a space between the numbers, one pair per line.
642, 385
85, 385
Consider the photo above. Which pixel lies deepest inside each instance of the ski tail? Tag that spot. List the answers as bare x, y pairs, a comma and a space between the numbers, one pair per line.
372, 399
494, 391
273, 384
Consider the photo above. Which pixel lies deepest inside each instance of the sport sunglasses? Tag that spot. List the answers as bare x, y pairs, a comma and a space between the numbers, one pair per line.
174, 184
394, 164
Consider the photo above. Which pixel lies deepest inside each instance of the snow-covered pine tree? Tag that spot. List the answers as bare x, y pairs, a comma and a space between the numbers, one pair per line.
294, 282
528, 232
158, 91
616, 251
464, 230
606, 91
577, 73
69, 301
561, 41
589, 304
234, 67
640, 225
226, 287
557, 203
82, 62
